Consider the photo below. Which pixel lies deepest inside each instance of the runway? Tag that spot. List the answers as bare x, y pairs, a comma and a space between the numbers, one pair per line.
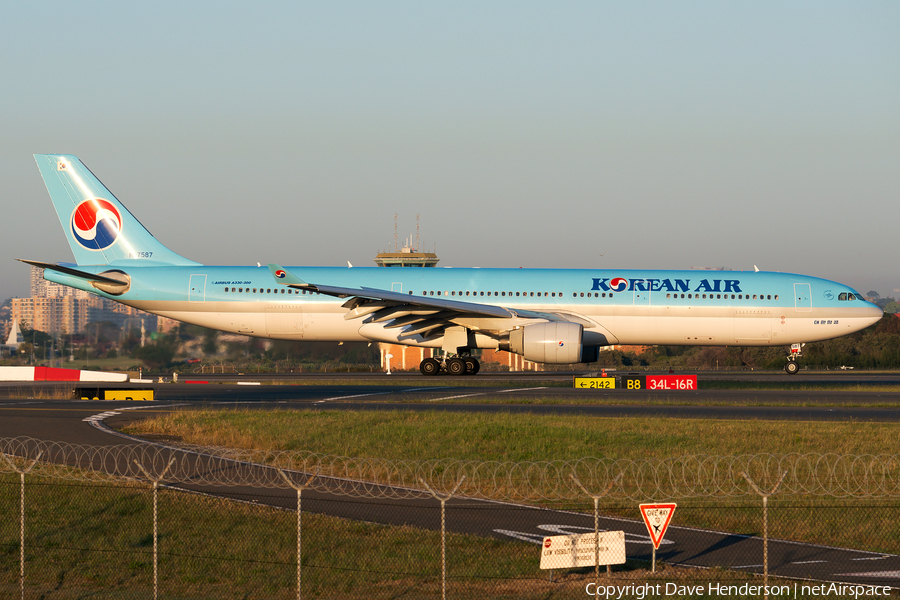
65, 420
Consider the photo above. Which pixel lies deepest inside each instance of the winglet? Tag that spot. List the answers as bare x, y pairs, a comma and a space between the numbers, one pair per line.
283, 277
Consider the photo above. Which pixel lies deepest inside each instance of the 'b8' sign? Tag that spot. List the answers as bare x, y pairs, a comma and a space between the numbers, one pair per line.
634, 382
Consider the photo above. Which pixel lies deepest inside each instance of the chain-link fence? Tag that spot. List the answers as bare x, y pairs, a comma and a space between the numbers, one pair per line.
148, 521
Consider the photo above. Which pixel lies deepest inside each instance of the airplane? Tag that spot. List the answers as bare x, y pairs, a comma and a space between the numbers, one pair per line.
556, 316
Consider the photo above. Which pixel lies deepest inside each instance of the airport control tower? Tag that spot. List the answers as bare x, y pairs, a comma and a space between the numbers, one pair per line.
408, 255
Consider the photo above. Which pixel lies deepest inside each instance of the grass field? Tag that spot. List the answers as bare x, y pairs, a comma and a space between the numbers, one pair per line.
511, 437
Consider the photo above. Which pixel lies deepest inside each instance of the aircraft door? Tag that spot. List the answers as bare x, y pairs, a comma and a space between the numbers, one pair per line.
802, 297
197, 288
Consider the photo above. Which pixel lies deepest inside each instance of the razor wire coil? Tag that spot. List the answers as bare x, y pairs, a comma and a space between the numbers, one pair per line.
690, 476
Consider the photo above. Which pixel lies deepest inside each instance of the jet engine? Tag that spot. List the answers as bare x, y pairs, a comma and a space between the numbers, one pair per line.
555, 342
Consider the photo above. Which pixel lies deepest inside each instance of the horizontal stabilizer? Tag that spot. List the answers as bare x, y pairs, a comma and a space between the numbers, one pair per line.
71, 271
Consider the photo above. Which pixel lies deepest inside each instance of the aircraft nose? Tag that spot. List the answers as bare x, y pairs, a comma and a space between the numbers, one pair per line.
873, 314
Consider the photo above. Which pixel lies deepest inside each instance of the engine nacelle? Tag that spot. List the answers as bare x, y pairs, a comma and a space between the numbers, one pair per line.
555, 342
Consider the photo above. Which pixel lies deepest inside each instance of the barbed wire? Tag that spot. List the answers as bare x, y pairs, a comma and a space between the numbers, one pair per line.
692, 476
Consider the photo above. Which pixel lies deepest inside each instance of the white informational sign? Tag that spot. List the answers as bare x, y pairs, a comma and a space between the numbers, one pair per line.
657, 518
571, 551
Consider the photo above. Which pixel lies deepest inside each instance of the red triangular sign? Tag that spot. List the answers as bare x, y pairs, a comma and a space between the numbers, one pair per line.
656, 518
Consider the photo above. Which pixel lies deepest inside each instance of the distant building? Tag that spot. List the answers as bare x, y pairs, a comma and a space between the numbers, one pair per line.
60, 310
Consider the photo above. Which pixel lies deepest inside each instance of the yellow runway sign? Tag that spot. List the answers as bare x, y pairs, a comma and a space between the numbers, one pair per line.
595, 383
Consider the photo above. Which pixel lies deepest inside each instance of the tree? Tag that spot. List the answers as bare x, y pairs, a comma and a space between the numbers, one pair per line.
155, 356
891, 307
210, 342
872, 294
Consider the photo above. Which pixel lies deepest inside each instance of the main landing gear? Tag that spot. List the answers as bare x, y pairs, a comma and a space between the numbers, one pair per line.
457, 365
792, 365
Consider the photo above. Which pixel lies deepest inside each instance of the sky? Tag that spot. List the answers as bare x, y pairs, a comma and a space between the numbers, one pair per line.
594, 134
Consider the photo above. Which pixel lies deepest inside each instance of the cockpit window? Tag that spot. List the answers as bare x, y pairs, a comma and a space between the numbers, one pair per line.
850, 296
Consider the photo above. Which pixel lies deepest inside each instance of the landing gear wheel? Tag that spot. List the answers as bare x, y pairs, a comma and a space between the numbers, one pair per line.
472, 365
791, 367
429, 366
456, 366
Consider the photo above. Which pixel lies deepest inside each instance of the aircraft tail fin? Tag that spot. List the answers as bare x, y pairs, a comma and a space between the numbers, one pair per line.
100, 230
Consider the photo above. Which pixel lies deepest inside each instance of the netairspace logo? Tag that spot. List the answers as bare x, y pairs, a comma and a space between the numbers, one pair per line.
661, 590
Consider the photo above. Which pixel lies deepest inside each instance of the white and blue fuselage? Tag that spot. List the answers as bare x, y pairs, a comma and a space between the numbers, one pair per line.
628, 306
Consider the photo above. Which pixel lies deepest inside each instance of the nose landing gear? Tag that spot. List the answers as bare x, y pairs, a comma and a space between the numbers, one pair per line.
792, 367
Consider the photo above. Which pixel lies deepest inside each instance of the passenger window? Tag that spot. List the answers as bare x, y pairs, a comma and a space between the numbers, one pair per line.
226, 290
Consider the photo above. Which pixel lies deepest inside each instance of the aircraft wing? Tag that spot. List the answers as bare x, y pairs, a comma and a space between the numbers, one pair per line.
418, 314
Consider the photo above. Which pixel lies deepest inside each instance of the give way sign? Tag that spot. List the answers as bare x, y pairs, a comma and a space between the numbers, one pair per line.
657, 517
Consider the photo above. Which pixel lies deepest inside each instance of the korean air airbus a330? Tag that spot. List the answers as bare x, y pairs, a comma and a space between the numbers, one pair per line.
546, 315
